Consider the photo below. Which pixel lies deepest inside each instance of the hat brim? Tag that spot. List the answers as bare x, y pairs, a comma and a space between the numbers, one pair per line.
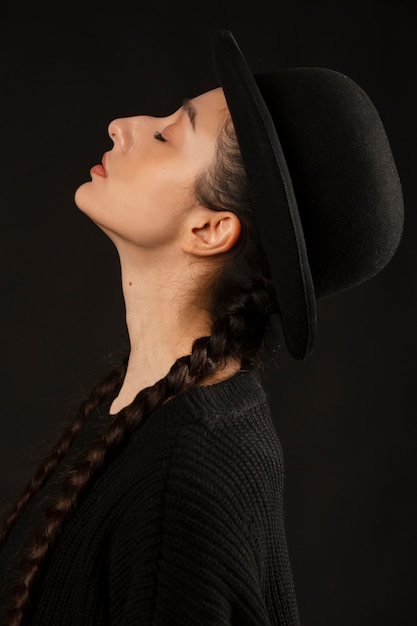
273, 195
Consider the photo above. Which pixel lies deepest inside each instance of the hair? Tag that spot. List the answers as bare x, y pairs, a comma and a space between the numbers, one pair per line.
241, 304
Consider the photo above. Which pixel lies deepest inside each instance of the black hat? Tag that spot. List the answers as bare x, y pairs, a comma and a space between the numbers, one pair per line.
325, 187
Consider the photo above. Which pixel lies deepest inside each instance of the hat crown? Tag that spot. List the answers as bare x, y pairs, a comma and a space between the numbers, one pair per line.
343, 173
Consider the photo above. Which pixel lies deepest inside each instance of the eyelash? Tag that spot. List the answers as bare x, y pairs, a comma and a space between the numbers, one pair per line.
159, 136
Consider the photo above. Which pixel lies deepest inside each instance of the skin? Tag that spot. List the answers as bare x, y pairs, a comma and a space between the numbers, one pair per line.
169, 245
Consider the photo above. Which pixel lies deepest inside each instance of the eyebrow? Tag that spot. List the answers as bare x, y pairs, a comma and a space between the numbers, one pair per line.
188, 107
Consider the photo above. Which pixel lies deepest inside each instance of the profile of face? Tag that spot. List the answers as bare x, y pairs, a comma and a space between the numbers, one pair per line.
141, 194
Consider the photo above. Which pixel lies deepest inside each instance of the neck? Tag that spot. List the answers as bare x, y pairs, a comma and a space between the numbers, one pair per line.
163, 315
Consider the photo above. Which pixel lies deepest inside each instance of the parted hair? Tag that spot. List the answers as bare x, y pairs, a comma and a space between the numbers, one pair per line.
242, 301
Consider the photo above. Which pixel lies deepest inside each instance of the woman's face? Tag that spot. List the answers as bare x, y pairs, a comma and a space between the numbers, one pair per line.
142, 192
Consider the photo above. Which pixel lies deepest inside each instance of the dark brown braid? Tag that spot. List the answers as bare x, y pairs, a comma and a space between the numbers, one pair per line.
96, 395
241, 304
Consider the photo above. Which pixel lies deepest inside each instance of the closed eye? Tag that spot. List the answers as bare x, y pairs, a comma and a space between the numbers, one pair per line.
159, 136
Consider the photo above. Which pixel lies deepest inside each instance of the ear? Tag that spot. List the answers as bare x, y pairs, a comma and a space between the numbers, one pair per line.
211, 232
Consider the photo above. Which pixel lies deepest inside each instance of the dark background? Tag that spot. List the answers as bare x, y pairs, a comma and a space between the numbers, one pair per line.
346, 416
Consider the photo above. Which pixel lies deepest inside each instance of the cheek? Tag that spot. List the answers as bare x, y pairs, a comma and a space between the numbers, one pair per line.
145, 205
161, 189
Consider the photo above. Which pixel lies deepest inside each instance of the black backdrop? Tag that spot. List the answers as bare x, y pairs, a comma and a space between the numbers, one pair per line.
346, 417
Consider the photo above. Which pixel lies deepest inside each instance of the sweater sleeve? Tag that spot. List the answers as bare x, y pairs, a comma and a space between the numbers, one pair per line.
217, 552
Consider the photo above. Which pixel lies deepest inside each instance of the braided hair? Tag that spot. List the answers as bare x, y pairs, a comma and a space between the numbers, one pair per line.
241, 303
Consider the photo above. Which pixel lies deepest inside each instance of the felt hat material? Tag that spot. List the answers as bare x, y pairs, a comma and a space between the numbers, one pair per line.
326, 190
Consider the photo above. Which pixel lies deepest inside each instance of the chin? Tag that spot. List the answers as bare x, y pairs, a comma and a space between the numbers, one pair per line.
85, 202
81, 197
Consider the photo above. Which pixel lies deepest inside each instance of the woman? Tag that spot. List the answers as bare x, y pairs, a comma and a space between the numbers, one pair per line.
163, 502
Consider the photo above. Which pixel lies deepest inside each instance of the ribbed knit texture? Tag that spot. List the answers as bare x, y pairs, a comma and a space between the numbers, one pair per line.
185, 527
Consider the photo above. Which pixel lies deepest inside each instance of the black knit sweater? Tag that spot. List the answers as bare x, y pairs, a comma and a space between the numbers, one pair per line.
185, 527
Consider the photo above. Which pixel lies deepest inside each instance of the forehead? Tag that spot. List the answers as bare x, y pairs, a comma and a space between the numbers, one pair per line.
212, 104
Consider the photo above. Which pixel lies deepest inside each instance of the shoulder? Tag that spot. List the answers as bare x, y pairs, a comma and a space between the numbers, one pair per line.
231, 459
229, 463
213, 477
226, 425
213, 444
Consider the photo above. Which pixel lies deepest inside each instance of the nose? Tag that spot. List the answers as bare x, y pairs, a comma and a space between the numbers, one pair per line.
118, 133
124, 131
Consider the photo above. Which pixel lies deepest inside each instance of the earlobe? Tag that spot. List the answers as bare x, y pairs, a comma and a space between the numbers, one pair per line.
214, 233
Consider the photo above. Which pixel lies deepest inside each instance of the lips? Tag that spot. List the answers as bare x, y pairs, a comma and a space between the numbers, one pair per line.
100, 168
